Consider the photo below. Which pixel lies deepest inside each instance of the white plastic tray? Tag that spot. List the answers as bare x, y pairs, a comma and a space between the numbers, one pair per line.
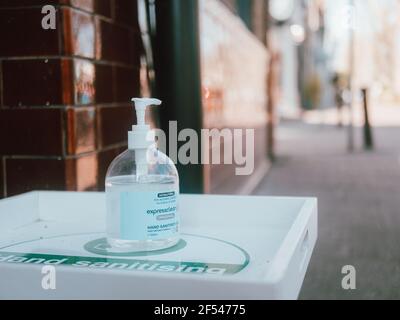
233, 247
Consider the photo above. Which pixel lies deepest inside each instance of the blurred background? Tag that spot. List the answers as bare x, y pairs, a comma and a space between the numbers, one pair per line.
318, 80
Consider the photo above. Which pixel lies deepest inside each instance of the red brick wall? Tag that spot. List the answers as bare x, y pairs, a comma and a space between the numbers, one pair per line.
64, 99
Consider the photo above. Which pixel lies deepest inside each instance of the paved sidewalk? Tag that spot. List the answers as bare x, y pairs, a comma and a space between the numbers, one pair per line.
359, 206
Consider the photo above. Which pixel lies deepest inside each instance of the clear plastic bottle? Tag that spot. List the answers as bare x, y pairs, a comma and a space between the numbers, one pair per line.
142, 190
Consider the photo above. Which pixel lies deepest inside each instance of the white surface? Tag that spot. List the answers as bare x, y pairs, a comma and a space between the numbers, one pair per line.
278, 234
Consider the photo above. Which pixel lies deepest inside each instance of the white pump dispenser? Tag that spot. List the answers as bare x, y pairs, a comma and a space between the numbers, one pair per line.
142, 191
141, 137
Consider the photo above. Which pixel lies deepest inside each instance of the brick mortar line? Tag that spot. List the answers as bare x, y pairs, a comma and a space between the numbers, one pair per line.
114, 146
64, 131
66, 157
72, 57
114, 105
99, 105
32, 157
61, 33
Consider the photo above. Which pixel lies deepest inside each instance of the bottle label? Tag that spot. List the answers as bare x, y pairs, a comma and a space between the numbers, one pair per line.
149, 215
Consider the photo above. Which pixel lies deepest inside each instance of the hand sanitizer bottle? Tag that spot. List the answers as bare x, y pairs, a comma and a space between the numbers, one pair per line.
142, 189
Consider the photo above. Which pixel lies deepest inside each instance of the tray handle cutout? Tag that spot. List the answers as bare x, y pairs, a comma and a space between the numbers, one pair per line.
304, 248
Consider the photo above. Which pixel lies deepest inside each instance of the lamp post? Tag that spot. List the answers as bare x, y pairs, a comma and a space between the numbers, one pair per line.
279, 16
351, 77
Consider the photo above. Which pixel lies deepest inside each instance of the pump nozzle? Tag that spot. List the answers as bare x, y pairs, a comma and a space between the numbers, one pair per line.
140, 105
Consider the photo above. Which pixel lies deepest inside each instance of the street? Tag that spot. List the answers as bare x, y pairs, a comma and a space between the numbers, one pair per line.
358, 201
